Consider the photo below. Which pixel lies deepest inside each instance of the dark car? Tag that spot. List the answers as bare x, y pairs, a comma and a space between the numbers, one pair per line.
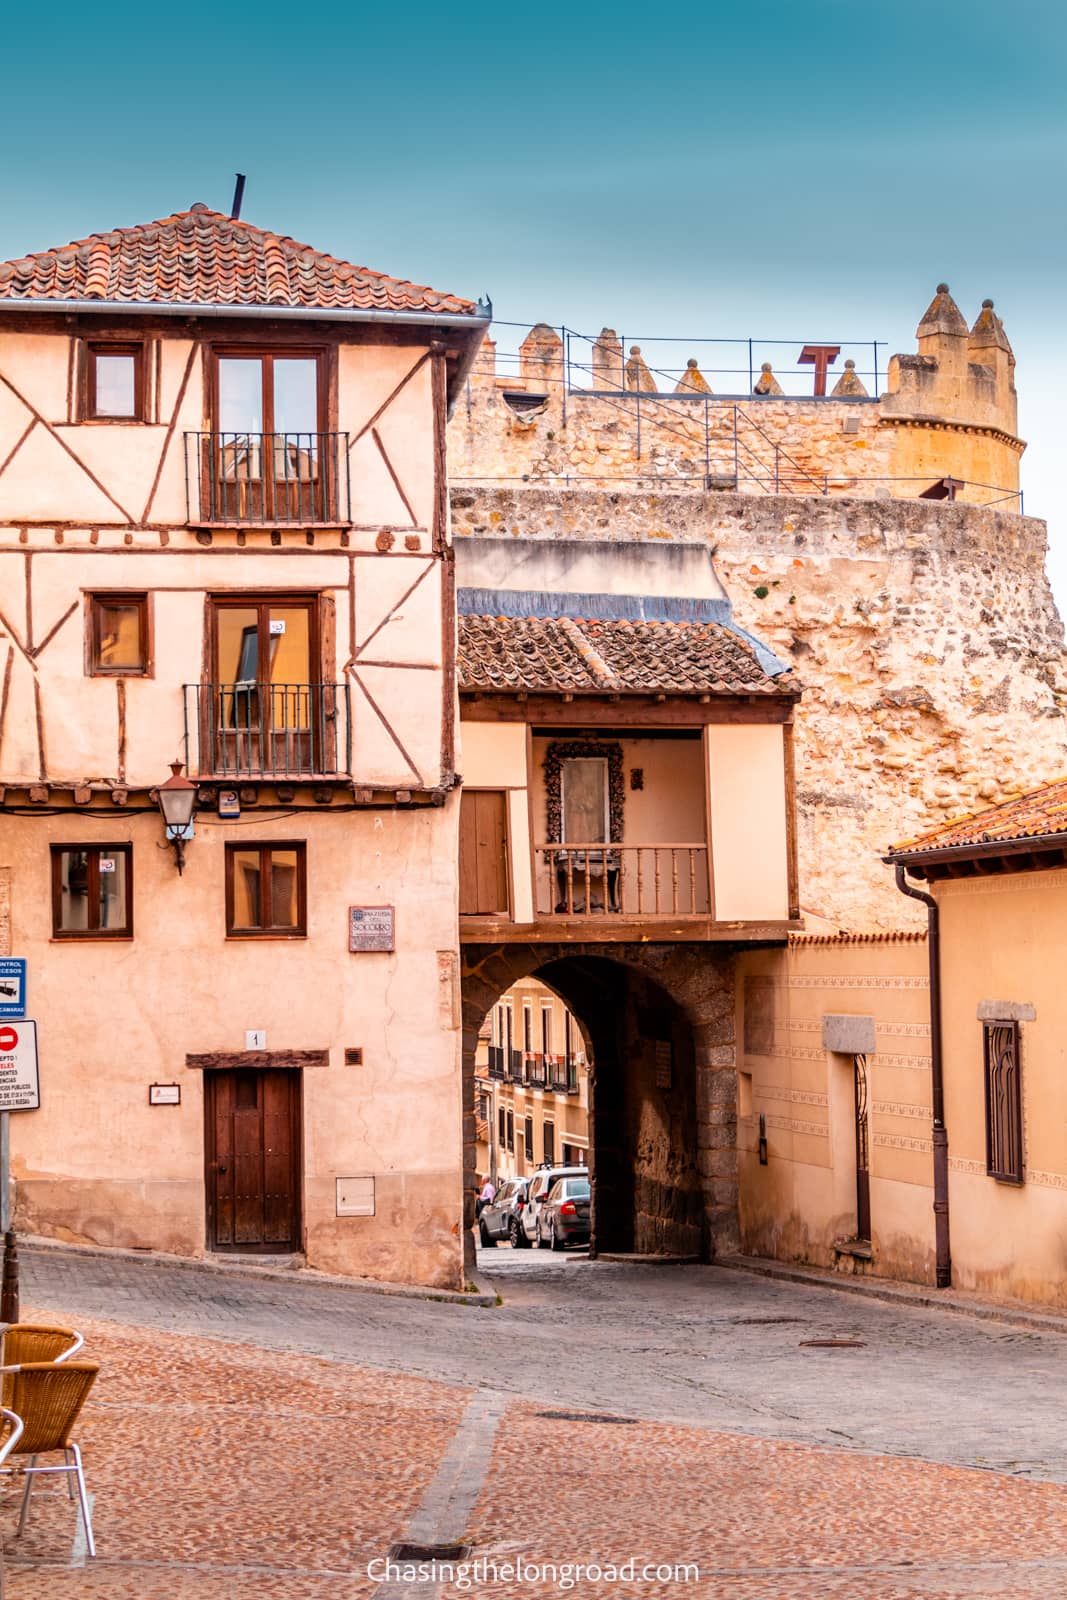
564, 1218
502, 1217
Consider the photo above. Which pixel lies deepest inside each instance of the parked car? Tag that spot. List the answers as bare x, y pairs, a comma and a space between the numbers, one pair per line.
564, 1217
502, 1217
540, 1184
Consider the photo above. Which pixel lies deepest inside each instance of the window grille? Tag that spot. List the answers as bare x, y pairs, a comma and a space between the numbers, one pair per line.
1003, 1102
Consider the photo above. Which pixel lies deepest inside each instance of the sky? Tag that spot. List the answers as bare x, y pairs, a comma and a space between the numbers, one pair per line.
795, 169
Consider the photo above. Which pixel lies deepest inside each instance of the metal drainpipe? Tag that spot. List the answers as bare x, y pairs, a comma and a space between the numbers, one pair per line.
943, 1253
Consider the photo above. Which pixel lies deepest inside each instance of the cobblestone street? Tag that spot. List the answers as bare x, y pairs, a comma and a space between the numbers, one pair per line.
254, 1436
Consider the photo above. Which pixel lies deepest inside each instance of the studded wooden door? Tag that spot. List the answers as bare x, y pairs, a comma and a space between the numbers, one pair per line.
253, 1159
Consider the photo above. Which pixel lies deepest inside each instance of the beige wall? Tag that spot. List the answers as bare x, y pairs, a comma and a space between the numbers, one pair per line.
1004, 941
803, 1201
493, 755
98, 1164
746, 786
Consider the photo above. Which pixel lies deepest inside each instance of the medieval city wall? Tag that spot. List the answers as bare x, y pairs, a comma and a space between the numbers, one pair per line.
924, 634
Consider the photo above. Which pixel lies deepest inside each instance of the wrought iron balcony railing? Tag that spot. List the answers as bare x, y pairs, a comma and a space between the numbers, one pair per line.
514, 1065
496, 1061
267, 479
268, 730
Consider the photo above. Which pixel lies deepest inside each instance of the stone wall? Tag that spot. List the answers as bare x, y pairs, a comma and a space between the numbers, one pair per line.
924, 634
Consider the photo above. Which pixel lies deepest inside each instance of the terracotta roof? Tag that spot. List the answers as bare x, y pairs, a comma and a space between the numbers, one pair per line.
509, 654
203, 257
1034, 815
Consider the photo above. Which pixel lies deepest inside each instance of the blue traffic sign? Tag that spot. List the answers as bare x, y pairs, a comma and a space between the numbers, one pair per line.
12, 986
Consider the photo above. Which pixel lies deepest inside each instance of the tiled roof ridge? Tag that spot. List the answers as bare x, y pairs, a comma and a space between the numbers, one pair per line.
276, 248
589, 653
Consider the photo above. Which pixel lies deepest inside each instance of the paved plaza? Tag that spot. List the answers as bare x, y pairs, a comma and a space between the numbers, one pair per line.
276, 1438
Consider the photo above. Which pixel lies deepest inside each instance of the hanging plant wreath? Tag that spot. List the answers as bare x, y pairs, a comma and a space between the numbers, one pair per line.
566, 750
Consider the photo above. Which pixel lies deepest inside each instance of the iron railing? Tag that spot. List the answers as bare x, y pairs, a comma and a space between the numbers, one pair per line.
513, 1065
556, 1073
635, 880
268, 730
496, 1061
267, 479
535, 1069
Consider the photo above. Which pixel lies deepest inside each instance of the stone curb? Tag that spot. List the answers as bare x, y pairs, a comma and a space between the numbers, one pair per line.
901, 1294
243, 1269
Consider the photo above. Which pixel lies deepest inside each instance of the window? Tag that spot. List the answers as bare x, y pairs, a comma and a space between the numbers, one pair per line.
546, 1030
92, 891
264, 460
118, 635
1003, 1102
511, 1130
503, 1128
529, 1139
264, 711
266, 891
114, 382
584, 781
550, 1141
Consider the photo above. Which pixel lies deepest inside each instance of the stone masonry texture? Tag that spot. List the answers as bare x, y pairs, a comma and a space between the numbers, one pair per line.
924, 635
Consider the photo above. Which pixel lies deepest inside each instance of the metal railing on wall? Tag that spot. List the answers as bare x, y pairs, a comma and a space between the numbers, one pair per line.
268, 730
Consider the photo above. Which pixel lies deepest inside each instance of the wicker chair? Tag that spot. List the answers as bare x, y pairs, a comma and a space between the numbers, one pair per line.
48, 1397
39, 1341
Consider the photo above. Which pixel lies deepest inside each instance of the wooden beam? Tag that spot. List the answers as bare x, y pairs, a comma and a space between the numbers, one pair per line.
638, 710
230, 1060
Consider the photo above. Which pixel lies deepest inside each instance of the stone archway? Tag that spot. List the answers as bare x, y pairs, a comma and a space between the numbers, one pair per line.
691, 1208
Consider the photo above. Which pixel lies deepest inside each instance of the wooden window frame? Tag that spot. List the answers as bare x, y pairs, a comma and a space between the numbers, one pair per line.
92, 889
265, 848
268, 353
95, 668
1004, 1145
114, 347
263, 601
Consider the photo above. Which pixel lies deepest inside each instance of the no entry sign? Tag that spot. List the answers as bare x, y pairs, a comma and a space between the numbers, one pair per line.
20, 1085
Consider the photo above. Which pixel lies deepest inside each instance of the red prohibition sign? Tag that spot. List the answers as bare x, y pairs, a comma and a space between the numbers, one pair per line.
8, 1039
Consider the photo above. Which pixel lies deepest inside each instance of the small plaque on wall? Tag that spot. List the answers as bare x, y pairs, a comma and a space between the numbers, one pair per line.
371, 928
164, 1094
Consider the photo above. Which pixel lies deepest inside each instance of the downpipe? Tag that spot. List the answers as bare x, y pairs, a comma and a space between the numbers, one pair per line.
943, 1255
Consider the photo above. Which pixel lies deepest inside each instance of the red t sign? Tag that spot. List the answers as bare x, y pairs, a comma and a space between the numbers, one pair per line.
819, 356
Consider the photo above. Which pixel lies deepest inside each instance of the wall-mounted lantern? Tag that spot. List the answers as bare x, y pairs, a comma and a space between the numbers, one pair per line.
177, 798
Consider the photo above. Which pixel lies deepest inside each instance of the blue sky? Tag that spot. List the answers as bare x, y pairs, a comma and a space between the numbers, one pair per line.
807, 169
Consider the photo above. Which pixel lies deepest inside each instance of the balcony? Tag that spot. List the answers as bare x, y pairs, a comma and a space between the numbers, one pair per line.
535, 1070
622, 880
496, 1061
267, 480
280, 731
513, 1065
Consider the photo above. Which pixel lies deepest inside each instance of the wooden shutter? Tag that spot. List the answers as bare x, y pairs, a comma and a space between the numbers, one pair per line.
483, 856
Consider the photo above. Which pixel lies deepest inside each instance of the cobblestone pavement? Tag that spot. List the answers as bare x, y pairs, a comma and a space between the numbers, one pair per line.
239, 1467
702, 1346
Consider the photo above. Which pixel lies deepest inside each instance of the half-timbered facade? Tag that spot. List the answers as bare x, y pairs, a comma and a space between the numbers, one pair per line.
224, 543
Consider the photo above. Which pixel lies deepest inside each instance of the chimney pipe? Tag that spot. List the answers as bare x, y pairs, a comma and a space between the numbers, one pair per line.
238, 196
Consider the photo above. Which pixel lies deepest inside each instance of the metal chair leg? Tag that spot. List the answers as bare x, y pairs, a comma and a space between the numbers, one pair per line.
24, 1509
83, 1497
70, 1478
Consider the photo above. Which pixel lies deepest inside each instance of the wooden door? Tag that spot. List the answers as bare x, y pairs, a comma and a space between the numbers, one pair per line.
253, 1159
483, 853
863, 1162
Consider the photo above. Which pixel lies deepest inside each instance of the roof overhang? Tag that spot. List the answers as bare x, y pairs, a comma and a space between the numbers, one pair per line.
475, 325
916, 861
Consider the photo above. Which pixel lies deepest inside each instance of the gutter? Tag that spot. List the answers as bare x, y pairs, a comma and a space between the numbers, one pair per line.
937, 1082
199, 308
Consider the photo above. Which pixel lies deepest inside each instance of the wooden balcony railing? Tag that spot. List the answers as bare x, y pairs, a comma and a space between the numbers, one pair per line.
622, 880
267, 479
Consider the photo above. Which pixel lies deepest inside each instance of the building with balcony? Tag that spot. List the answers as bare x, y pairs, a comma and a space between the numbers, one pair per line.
532, 1085
224, 542
626, 828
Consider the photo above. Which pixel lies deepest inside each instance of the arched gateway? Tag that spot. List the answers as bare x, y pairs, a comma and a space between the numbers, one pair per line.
626, 827
660, 1022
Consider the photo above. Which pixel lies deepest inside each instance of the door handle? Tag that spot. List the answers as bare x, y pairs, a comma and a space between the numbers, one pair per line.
222, 1166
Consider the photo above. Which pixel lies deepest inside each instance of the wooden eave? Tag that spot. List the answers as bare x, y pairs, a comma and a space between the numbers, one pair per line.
624, 708
1041, 853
